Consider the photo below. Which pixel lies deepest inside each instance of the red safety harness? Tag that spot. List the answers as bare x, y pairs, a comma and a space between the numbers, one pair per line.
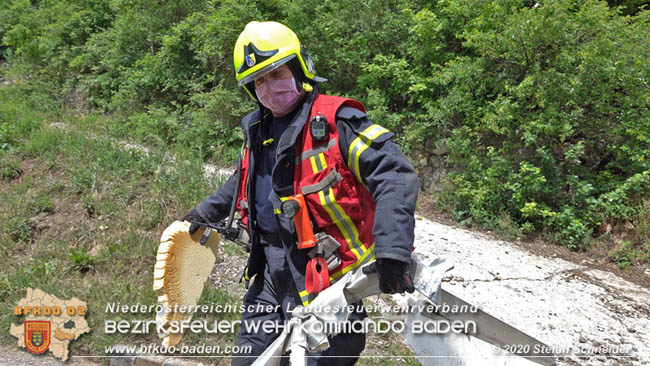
337, 201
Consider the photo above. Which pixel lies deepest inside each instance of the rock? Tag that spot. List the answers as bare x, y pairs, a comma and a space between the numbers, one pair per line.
436, 162
428, 145
95, 250
60, 125
435, 187
442, 150
608, 228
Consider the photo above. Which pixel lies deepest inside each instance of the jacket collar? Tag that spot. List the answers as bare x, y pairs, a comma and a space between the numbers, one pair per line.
290, 136
292, 133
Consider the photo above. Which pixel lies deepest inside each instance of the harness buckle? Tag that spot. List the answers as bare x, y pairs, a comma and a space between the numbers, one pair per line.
325, 258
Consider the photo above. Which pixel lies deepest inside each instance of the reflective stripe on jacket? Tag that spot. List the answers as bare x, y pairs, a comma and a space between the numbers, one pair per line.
373, 165
338, 203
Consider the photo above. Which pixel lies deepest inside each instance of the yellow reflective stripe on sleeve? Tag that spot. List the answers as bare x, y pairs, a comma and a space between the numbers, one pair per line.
373, 132
360, 144
342, 221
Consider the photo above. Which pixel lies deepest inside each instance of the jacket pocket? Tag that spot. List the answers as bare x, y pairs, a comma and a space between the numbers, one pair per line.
332, 199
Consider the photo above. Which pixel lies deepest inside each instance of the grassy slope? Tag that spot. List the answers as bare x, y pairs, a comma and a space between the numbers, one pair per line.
82, 216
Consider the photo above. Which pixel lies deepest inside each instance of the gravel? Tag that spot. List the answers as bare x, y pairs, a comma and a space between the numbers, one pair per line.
565, 305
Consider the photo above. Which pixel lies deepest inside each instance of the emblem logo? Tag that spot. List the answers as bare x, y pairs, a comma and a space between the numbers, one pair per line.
250, 59
37, 335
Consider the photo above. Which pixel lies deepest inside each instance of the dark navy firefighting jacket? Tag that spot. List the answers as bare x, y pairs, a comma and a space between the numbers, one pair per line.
387, 174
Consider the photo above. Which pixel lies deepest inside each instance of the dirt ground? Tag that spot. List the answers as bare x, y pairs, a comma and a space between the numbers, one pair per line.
565, 304
563, 298
594, 257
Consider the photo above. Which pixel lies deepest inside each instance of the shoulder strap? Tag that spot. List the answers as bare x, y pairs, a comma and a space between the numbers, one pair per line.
327, 105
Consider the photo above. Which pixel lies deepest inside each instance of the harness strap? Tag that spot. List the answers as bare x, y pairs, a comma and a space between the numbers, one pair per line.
316, 150
331, 179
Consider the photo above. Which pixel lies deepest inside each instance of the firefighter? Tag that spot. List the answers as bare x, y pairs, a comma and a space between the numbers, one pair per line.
359, 190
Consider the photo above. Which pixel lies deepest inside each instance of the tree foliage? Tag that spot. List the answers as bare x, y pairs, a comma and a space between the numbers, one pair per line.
544, 105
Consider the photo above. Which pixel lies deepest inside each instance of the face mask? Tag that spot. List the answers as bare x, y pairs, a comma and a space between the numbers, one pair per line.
278, 95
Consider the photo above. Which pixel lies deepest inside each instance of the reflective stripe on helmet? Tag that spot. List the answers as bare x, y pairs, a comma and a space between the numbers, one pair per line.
265, 70
264, 46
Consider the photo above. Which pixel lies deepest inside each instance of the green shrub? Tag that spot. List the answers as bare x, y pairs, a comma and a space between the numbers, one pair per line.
43, 141
547, 103
80, 259
544, 105
624, 256
626, 201
17, 117
9, 168
19, 229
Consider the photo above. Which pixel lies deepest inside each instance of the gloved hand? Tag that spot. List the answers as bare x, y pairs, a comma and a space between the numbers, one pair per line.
394, 276
194, 218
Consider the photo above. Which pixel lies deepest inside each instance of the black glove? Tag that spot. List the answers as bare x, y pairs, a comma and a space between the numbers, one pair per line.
394, 275
195, 219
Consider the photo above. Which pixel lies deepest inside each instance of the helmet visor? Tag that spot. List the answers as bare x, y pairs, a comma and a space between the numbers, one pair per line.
263, 71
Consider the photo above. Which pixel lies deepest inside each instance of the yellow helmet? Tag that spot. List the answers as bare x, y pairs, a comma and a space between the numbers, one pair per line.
265, 46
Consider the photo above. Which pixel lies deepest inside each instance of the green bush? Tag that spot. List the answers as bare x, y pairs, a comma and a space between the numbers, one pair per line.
19, 229
9, 168
543, 105
624, 255
625, 202
17, 118
548, 102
